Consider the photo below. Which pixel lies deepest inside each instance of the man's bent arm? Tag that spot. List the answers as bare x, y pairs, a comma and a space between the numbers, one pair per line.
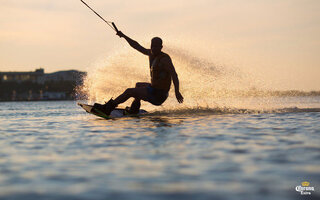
176, 87
175, 80
134, 44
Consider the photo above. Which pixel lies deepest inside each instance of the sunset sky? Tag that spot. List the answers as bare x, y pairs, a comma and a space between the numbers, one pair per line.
277, 39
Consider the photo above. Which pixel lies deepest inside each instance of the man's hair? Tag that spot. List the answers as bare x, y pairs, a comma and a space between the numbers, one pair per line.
156, 39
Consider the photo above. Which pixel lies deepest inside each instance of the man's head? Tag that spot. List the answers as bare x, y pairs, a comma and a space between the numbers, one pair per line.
156, 46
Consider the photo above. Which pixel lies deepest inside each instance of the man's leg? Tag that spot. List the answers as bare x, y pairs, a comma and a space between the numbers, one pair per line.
139, 93
142, 84
135, 105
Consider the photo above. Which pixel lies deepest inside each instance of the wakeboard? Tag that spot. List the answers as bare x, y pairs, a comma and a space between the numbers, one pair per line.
116, 113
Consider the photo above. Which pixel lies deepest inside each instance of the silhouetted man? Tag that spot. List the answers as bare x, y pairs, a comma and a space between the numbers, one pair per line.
156, 92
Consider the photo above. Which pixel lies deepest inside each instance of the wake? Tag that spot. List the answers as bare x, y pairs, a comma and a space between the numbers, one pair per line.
222, 111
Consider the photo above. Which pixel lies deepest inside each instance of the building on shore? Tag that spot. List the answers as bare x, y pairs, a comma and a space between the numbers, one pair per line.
38, 76
22, 76
38, 85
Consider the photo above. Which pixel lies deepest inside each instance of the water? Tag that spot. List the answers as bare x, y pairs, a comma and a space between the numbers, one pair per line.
54, 150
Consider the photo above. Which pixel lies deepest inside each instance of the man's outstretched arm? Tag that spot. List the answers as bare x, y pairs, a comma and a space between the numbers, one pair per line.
134, 44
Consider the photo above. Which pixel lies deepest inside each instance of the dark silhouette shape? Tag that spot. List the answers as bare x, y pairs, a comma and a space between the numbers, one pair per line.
161, 72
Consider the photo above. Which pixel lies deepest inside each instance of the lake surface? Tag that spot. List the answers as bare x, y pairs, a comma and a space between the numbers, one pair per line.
54, 150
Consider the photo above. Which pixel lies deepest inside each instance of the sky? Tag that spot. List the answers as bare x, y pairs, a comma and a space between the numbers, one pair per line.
275, 39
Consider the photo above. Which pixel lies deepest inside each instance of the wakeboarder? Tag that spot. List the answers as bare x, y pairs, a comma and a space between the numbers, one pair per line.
162, 72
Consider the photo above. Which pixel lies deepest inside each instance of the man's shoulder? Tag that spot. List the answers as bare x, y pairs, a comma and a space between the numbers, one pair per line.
163, 54
149, 52
166, 60
165, 57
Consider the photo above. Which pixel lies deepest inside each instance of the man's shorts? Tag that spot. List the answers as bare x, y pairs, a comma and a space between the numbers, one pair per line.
156, 96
